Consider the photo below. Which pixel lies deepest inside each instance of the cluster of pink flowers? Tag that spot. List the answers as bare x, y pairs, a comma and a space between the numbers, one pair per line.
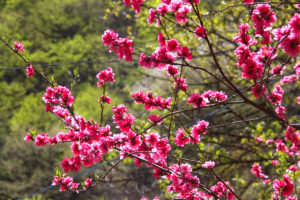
221, 190
183, 182
150, 101
135, 4
121, 46
257, 172
178, 7
105, 76
283, 188
199, 129
210, 96
289, 36
57, 96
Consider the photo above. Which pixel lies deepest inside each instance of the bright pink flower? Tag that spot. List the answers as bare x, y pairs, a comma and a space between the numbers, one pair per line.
30, 71
291, 45
181, 83
275, 162
155, 119
191, 1
19, 46
242, 36
247, 1
162, 9
173, 45
289, 79
269, 141
145, 61
181, 139
197, 100
161, 39
280, 110
208, 164
298, 99
151, 16
200, 32
181, 15
297, 68
109, 37
105, 99
262, 16
152, 138
259, 139
126, 2
185, 53
175, 5
199, 129
252, 70
277, 70
28, 137
259, 90
172, 70
284, 188
293, 168
244, 53
41, 139
105, 76
294, 23
257, 172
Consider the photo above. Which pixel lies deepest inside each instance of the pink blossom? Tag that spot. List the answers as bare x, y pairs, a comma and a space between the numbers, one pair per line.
294, 23
262, 16
197, 100
173, 45
87, 183
181, 139
291, 45
151, 16
259, 90
289, 79
275, 162
155, 119
259, 139
280, 110
162, 9
208, 164
109, 37
185, 53
19, 46
105, 99
105, 76
298, 99
297, 68
172, 70
284, 188
293, 168
30, 71
247, 1
28, 137
41, 139
200, 32
277, 70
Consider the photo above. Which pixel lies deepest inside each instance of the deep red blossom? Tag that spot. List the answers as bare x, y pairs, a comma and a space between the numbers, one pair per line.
181, 83
242, 36
291, 45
